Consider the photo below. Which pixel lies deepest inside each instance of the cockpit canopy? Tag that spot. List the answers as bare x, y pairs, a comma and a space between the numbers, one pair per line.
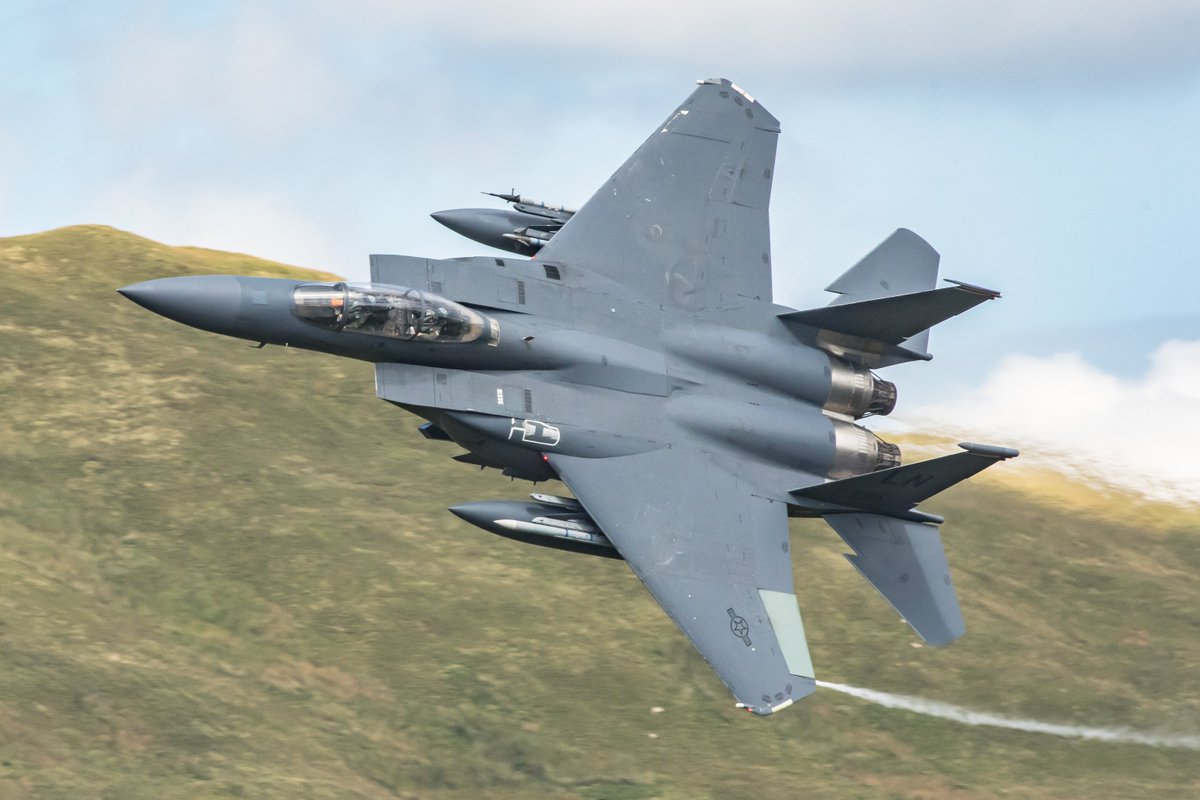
393, 311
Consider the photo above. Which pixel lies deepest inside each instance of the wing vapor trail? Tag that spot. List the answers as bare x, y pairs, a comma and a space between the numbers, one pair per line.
966, 716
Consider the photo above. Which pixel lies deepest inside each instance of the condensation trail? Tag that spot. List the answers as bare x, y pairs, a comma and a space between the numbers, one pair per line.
967, 716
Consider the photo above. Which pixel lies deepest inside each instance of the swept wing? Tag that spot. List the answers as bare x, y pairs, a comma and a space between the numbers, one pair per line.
716, 557
684, 221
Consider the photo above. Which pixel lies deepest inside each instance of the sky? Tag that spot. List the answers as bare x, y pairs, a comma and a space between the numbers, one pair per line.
1047, 150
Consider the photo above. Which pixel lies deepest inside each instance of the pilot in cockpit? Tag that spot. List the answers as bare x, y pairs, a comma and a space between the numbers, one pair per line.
337, 305
390, 311
431, 322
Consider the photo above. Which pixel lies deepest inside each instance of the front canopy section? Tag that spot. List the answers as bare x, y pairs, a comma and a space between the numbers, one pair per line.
393, 311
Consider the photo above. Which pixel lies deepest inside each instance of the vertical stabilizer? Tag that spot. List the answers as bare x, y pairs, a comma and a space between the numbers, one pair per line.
905, 561
903, 263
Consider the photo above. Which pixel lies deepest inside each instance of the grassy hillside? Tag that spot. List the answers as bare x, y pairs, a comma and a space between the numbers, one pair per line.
227, 572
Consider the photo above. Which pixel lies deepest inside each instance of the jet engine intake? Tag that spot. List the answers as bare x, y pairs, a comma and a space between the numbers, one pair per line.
857, 451
856, 391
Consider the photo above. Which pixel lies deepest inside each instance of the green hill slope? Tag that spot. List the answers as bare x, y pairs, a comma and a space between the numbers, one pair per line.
228, 572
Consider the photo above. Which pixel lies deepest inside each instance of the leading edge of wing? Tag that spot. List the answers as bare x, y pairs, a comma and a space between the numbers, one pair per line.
684, 221
715, 556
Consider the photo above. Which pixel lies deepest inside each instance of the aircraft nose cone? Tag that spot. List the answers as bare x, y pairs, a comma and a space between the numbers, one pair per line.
472, 513
211, 302
457, 220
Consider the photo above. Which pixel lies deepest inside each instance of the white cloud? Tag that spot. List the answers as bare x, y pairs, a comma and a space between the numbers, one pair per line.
255, 74
1090, 40
1143, 433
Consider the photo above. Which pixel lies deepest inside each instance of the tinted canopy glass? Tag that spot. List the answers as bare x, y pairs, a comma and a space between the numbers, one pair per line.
392, 311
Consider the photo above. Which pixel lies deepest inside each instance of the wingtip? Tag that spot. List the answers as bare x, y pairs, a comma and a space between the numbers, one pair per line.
800, 688
725, 82
991, 294
765, 711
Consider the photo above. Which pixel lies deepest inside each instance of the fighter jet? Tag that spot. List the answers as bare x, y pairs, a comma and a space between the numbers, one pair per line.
638, 358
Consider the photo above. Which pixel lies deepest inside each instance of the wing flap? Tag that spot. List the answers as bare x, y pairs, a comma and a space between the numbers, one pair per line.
784, 613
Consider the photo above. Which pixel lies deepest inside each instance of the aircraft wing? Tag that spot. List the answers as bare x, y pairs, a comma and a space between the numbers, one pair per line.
684, 221
715, 556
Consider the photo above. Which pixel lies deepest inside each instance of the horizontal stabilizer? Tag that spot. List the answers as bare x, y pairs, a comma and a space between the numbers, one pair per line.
893, 319
895, 491
905, 561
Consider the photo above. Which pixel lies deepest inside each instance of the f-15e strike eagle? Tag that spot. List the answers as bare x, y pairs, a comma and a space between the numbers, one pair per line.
638, 358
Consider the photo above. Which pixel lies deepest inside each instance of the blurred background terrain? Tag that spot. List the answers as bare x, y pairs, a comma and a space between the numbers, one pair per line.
228, 572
